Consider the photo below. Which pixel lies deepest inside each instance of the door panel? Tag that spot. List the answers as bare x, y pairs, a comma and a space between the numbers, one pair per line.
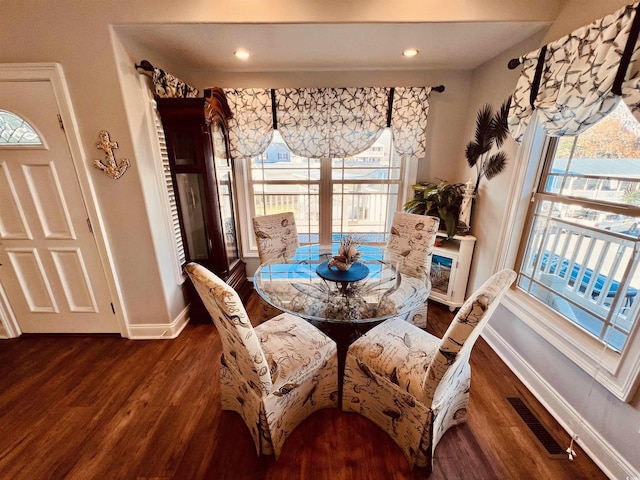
74, 279
33, 280
13, 225
51, 268
44, 189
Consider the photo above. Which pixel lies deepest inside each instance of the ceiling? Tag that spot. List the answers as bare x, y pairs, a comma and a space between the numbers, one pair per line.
310, 47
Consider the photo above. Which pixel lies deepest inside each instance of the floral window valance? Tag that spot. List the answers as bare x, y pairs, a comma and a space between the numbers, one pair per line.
575, 81
328, 122
170, 86
165, 84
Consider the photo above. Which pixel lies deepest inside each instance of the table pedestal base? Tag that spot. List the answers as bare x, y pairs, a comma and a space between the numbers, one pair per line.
344, 334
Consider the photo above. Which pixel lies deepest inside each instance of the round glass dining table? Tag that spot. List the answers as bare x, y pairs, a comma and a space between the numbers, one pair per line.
372, 290
344, 305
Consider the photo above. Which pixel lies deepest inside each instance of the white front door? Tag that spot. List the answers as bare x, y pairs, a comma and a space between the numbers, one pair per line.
50, 265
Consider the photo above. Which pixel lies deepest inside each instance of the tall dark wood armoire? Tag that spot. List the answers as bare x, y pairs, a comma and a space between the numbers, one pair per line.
196, 132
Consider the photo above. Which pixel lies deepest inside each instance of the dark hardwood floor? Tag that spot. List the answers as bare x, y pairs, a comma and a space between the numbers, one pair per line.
103, 407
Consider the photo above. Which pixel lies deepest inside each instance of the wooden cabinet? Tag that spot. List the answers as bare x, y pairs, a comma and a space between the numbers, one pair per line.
202, 174
450, 266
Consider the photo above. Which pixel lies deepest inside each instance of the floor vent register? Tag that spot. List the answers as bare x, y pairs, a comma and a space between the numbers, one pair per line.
539, 430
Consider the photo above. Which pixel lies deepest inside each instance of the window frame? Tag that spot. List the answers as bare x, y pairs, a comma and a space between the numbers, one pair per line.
618, 373
249, 248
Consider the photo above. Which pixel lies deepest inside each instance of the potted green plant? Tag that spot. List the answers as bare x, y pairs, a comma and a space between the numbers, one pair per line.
491, 130
440, 200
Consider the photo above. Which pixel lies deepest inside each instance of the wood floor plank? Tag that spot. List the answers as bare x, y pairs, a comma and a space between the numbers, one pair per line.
52, 452
459, 451
79, 407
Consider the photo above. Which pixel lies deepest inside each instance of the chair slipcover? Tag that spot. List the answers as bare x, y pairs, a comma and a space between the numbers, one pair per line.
276, 235
411, 247
274, 375
414, 385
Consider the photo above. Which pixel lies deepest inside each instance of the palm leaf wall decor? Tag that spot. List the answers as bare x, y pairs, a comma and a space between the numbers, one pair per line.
491, 131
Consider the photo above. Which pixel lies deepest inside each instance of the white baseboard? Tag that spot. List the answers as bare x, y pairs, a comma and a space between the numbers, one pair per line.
160, 331
145, 331
601, 452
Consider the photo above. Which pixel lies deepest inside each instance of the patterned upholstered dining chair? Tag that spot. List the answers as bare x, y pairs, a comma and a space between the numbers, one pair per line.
275, 235
274, 375
410, 246
414, 385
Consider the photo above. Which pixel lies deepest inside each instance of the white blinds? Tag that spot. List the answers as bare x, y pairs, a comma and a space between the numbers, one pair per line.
171, 195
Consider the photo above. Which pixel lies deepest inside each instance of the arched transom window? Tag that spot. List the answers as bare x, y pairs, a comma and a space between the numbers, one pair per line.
15, 130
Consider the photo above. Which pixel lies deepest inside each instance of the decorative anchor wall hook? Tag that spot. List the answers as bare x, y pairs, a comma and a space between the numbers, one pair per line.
110, 167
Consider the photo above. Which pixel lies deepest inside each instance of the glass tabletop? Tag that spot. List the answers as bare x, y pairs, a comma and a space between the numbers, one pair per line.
294, 285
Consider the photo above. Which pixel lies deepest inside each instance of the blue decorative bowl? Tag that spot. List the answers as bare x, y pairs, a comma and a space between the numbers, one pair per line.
357, 272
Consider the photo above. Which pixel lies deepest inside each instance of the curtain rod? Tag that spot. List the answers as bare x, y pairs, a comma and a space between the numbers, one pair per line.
146, 66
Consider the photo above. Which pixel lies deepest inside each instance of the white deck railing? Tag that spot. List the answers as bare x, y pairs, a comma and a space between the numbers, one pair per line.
362, 212
588, 275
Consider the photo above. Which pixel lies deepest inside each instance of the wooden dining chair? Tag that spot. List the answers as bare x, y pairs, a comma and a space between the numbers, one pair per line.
414, 385
274, 375
410, 247
276, 235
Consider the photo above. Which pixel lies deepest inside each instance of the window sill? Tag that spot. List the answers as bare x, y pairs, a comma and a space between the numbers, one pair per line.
616, 372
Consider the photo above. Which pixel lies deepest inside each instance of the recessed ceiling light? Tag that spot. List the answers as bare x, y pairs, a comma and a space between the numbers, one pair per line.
410, 52
241, 54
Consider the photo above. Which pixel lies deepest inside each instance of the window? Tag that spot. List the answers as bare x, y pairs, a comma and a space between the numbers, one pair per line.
15, 130
330, 196
580, 248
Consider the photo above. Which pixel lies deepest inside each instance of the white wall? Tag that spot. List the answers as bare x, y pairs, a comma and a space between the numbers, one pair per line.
104, 86
491, 83
607, 427
104, 89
